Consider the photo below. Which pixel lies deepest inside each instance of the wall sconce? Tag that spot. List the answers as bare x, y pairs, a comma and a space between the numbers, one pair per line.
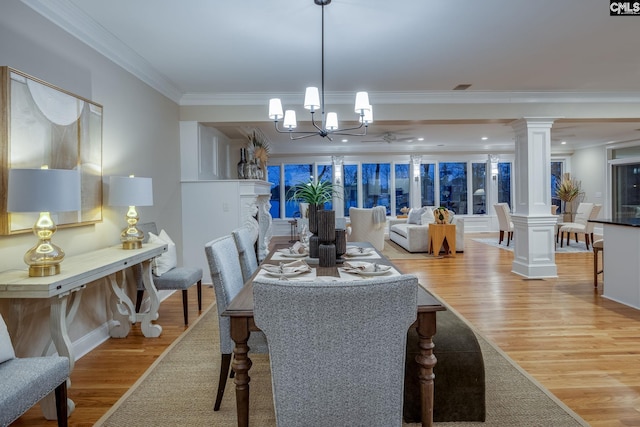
493, 159
337, 162
44, 191
416, 161
130, 191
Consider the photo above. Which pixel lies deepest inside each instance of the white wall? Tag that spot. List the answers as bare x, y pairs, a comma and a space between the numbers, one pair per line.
590, 166
140, 136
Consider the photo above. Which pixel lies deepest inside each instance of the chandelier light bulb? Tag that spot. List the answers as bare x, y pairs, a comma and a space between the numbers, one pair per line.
362, 102
332, 121
290, 120
275, 109
312, 98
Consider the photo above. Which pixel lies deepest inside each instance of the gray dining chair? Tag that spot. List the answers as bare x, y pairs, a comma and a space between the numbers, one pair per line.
337, 349
226, 274
246, 251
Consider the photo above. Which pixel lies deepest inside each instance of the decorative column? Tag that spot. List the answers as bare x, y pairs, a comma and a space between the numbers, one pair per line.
534, 226
338, 179
414, 189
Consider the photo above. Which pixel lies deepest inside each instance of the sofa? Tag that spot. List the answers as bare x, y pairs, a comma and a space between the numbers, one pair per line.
412, 233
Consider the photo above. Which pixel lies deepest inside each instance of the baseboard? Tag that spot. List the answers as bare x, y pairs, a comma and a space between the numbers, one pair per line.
94, 338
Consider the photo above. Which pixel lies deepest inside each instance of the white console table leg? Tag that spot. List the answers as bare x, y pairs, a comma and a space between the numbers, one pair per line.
149, 329
122, 308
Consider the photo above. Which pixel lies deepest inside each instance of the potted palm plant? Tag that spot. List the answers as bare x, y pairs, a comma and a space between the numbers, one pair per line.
315, 194
568, 190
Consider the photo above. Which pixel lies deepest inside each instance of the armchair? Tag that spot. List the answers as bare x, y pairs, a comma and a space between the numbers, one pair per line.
25, 381
368, 225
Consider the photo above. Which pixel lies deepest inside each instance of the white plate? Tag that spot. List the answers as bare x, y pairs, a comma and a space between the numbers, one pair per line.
290, 255
297, 273
367, 273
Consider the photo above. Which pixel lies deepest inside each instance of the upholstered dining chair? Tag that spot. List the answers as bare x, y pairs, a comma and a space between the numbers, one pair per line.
504, 222
337, 349
226, 274
581, 224
177, 278
368, 225
246, 252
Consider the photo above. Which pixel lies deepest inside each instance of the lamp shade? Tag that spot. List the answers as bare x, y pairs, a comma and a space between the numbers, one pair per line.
43, 190
130, 191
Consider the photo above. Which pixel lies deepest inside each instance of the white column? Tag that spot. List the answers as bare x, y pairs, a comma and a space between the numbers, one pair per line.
338, 179
415, 181
534, 226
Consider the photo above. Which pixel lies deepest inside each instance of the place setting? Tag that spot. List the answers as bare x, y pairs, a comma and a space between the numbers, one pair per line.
286, 270
367, 269
354, 252
297, 250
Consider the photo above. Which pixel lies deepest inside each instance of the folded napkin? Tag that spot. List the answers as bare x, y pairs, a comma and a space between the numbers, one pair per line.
287, 267
367, 267
297, 248
358, 251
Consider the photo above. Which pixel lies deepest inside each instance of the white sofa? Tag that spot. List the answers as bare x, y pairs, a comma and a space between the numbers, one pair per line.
415, 237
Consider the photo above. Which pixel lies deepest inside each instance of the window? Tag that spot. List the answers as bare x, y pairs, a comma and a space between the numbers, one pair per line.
325, 173
402, 187
350, 179
428, 186
556, 178
626, 190
504, 183
453, 186
273, 173
375, 185
294, 174
478, 180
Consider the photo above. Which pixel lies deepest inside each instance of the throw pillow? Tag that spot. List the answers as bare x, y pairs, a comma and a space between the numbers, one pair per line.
6, 348
414, 216
168, 260
427, 217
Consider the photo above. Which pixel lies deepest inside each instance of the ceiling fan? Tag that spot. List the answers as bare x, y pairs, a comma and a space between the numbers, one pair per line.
389, 137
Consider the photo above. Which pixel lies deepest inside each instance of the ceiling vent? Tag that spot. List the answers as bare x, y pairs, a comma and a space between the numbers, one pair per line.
462, 87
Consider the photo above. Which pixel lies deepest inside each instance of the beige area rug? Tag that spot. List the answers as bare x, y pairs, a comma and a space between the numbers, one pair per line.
394, 251
179, 390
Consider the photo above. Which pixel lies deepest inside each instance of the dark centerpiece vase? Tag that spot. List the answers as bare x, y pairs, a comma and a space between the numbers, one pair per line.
242, 163
327, 238
313, 229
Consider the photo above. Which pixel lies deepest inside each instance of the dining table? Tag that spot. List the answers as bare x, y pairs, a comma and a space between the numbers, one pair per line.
240, 312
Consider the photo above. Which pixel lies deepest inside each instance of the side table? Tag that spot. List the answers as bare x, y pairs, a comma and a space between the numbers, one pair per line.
442, 235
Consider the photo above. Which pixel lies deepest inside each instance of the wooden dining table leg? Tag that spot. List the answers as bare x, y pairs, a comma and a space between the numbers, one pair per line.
426, 360
241, 365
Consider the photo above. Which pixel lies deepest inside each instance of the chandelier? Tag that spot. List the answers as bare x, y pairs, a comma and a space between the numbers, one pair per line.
314, 101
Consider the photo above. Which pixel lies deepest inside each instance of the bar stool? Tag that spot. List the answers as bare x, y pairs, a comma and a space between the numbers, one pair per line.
598, 246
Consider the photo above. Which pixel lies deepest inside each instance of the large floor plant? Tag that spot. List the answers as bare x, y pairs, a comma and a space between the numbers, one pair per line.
569, 190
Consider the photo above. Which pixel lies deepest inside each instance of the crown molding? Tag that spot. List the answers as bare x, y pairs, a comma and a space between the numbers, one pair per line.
70, 18
429, 97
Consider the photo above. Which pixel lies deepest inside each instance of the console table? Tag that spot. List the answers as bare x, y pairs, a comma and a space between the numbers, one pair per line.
63, 292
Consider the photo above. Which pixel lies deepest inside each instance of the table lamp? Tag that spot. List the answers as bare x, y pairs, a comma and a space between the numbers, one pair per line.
130, 191
44, 191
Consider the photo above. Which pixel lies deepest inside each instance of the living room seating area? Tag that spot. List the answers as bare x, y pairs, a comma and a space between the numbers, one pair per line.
412, 233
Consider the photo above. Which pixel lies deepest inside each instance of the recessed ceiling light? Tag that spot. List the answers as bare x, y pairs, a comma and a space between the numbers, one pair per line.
484, 138
420, 139
345, 140
563, 142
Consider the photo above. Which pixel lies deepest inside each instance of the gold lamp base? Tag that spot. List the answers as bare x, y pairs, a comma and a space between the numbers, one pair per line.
131, 237
132, 244
45, 257
44, 270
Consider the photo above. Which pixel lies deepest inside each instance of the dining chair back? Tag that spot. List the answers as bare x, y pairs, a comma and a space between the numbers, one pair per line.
504, 221
226, 274
581, 224
337, 349
245, 241
368, 225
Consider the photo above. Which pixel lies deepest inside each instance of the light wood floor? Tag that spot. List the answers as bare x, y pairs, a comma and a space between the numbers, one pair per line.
583, 348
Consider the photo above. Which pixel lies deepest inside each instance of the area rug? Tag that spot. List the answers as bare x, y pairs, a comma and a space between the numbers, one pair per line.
572, 248
179, 389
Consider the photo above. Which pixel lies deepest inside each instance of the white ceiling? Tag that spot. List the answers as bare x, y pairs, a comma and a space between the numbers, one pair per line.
256, 49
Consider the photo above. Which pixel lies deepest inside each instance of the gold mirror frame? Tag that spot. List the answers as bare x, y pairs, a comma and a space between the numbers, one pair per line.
41, 124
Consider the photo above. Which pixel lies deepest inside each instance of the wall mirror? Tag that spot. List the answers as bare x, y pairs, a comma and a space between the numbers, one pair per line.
41, 124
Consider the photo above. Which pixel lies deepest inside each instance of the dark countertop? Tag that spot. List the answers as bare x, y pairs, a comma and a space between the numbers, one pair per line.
625, 221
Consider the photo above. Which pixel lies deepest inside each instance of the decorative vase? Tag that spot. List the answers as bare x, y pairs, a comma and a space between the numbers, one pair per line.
247, 168
326, 226
327, 255
313, 246
242, 163
341, 243
313, 217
